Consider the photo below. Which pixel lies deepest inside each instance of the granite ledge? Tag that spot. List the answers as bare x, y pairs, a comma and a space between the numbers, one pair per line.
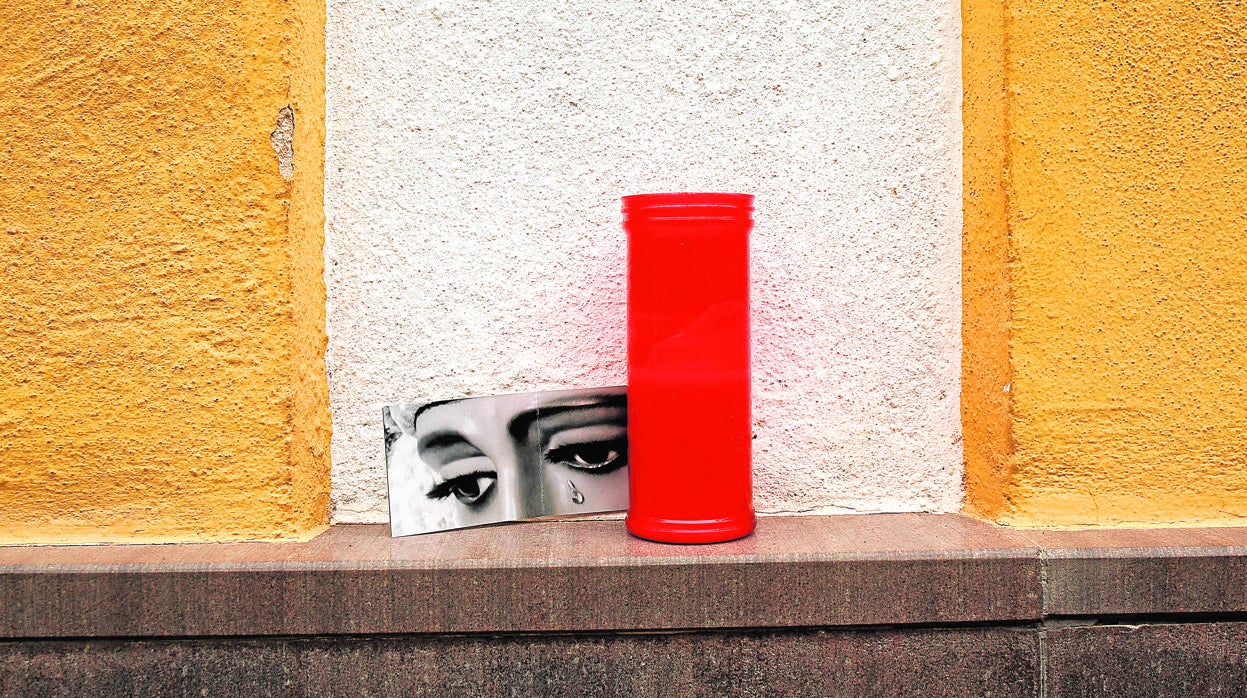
590, 576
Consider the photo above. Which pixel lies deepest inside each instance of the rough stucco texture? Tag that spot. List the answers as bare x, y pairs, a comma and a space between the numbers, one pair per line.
162, 308
475, 158
986, 363
1127, 215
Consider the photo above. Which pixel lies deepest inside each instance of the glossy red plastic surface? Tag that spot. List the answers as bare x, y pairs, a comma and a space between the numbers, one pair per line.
689, 427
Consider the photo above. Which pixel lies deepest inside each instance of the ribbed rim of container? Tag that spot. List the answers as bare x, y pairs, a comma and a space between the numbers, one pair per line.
684, 204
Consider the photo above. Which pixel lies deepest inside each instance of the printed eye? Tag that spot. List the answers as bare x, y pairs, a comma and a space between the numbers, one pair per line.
471, 489
598, 457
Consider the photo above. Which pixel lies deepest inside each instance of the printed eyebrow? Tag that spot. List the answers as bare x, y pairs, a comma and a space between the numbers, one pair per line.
440, 440
520, 423
430, 405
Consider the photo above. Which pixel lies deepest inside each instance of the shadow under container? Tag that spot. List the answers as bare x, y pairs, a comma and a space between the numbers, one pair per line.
689, 424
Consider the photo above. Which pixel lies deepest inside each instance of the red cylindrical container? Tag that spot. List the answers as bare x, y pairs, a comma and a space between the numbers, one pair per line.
689, 438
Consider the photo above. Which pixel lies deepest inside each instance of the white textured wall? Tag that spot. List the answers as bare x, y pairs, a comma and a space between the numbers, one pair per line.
477, 152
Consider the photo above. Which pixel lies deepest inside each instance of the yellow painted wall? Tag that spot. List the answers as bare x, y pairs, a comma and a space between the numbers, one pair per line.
1126, 235
986, 369
162, 315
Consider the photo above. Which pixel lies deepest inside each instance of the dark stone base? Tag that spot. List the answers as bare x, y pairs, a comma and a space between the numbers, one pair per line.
1204, 659
916, 662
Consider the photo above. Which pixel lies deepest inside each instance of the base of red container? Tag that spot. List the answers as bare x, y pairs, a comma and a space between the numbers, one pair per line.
697, 531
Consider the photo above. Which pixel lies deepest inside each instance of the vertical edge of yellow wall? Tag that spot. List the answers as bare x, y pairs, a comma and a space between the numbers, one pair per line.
310, 416
163, 369
1127, 213
986, 369
1105, 348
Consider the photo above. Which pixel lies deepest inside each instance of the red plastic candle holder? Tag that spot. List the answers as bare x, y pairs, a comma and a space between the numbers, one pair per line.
689, 426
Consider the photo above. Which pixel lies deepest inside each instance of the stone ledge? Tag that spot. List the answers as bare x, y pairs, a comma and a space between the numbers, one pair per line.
1144, 572
590, 576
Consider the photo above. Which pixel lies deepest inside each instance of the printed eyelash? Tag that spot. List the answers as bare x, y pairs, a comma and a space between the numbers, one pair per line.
568, 453
445, 489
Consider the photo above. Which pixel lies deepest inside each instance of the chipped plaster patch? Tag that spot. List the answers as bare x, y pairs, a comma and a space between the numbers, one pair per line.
282, 139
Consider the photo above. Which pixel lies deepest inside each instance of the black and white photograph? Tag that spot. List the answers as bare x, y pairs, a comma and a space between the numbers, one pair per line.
482, 460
